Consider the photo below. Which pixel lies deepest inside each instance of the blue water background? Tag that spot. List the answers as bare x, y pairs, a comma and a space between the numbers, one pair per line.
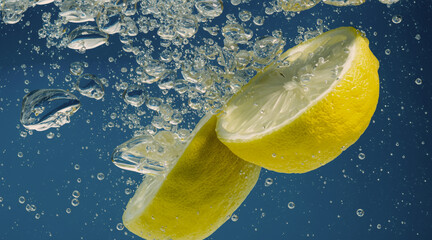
392, 184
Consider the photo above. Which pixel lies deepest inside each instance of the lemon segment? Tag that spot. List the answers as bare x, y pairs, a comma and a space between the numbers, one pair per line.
303, 111
198, 195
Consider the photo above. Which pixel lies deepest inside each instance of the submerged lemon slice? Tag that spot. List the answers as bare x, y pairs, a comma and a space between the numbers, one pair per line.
198, 195
303, 111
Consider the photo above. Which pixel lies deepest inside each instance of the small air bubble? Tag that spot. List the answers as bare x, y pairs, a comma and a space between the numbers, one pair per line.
291, 205
361, 156
100, 176
234, 218
76, 194
50, 135
23, 134
120, 226
360, 212
258, 20
75, 202
268, 182
387, 51
396, 19
418, 81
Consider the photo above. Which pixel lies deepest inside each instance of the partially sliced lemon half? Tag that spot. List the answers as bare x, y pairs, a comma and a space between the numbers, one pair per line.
303, 111
205, 186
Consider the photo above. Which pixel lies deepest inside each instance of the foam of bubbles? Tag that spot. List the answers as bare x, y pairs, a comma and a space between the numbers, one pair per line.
152, 155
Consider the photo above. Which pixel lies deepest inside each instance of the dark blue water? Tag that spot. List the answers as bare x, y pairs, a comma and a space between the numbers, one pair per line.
392, 184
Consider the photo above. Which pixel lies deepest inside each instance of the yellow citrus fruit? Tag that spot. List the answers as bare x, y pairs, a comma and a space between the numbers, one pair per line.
204, 187
304, 110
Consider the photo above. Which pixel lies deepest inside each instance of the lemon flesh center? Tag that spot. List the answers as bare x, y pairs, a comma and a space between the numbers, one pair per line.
304, 75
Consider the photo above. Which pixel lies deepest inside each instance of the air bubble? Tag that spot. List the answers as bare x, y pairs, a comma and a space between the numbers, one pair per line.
389, 1
48, 108
268, 182
50, 135
135, 95
387, 51
291, 205
75, 202
396, 19
120, 226
209, 8
76, 194
100, 176
360, 212
258, 20
90, 86
76, 68
245, 15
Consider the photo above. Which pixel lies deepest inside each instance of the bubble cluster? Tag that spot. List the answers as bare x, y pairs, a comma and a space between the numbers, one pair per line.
149, 154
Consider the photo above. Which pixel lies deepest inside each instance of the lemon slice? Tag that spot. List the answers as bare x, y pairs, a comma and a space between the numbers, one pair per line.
303, 111
205, 186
